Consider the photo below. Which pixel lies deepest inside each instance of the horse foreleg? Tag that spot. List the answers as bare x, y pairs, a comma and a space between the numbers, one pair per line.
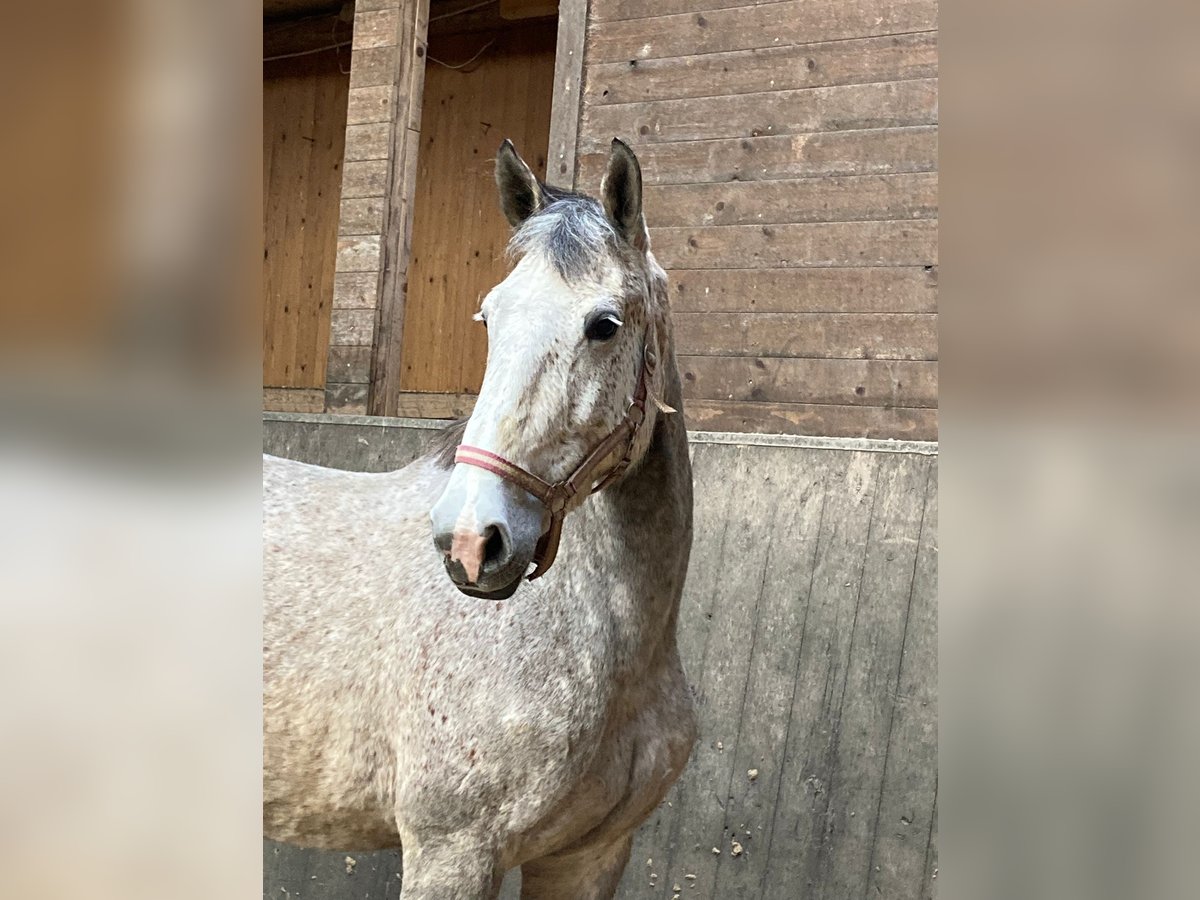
591, 872
459, 866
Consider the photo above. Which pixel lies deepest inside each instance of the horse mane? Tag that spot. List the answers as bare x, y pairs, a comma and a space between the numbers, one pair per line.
445, 441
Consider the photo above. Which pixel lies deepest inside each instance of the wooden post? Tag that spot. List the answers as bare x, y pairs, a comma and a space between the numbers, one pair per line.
568, 93
387, 73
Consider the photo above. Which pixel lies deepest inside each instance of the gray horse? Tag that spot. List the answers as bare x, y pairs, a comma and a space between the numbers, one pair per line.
412, 694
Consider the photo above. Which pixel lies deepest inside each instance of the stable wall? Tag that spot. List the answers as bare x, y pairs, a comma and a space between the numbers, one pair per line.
304, 125
808, 630
789, 151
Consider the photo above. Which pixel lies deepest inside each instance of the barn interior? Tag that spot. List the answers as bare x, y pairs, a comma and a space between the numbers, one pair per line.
489, 72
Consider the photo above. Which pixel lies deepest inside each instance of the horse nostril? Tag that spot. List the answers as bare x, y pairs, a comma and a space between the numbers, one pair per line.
495, 552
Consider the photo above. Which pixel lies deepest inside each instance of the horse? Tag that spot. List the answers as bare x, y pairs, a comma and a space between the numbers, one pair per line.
433, 693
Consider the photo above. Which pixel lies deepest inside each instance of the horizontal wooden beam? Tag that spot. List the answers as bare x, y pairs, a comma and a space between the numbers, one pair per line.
277, 399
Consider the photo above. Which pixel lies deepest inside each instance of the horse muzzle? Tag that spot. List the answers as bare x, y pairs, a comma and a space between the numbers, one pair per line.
485, 533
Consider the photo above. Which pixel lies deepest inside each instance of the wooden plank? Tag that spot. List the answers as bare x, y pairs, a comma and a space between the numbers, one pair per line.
377, 28
905, 820
614, 10
897, 423
347, 399
856, 198
429, 405
397, 221
774, 68
849, 382
890, 104
349, 365
719, 676
355, 290
358, 254
377, 66
912, 243
294, 399
361, 217
567, 94
854, 767
352, 327
759, 753
365, 179
866, 152
811, 335
527, 9
876, 289
797, 22
364, 142
370, 104
304, 105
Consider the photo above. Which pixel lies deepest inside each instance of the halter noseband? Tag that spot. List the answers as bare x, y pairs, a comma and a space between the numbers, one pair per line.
558, 497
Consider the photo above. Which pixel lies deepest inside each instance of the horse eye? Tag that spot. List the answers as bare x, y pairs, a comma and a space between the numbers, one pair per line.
602, 328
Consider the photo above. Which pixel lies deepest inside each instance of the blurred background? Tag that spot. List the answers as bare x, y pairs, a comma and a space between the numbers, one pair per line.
130, 402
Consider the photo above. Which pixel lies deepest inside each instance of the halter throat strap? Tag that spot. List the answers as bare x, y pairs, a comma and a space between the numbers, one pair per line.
563, 496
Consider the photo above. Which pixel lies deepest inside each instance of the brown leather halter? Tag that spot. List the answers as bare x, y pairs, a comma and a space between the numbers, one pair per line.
558, 497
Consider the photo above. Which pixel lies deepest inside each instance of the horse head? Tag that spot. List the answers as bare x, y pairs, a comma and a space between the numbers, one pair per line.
567, 404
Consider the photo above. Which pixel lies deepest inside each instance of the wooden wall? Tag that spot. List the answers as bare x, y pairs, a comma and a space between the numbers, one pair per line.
383, 126
459, 233
304, 121
789, 151
808, 630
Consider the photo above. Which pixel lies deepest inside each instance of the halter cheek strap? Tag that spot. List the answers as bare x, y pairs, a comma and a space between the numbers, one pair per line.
559, 498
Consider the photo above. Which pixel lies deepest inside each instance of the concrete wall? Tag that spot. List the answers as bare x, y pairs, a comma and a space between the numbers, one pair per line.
809, 631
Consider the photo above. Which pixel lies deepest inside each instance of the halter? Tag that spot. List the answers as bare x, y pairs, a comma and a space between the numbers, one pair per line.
558, 497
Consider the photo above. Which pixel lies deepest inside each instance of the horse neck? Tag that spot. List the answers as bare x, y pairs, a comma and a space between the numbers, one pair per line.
634, 540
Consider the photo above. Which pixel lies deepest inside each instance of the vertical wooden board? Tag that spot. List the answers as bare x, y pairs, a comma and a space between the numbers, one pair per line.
868, 698
568, 92
712, 464
905, 825
459, 234
798, 821
304, 109
799, 480
701, 826
297, 872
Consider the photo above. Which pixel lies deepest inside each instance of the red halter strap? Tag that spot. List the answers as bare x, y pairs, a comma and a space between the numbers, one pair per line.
558, 497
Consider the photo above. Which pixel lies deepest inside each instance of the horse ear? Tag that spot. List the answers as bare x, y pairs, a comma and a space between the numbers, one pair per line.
520, 194
622, 193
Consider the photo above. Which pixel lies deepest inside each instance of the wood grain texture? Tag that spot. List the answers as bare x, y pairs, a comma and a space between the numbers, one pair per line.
419, 405
361, 217
898, 423
878, 289
459, 234
399, 185
346, 399
367, 142
866, 152
349, 365
304, 109
752, 26
294, 399
854, 382
808, 631
865, 197
812, 335
912, 243
567, 99
373, 67
775, 68
889, 104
